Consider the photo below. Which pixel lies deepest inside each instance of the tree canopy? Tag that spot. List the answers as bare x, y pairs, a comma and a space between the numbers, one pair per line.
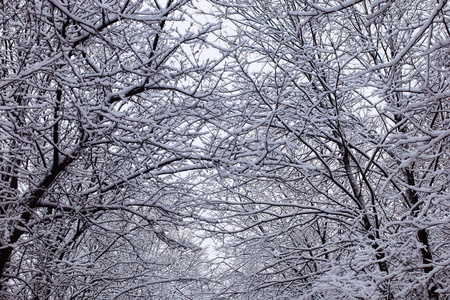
224, 149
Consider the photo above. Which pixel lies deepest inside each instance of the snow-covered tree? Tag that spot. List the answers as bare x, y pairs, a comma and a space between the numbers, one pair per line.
100, 108
338, 149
